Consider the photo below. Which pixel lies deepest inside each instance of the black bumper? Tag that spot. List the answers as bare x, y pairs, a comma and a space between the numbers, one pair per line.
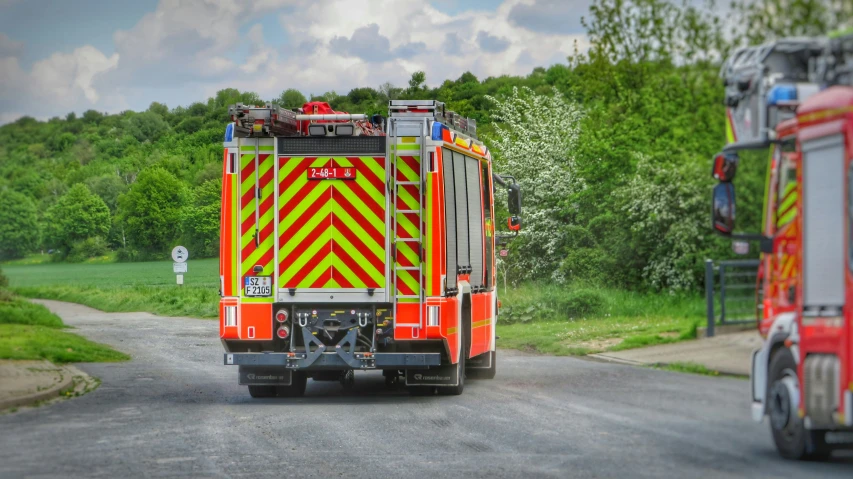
335, 360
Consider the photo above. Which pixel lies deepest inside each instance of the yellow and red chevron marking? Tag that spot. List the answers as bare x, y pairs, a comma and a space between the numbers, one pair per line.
787, 263
332, 232
261, 173
786, 211
408, 253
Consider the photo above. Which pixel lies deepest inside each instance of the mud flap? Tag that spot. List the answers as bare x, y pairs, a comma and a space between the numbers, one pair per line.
482, 361
264, 376
435, 376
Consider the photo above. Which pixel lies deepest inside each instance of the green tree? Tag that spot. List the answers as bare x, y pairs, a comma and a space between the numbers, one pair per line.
76, 216
19, 232
764, 20
200, 219
291, 98
159, 109
109, 188
147, 126
416, 83
151, 210
92, 116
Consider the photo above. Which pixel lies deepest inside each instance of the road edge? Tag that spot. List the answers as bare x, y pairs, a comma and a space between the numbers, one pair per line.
66, 384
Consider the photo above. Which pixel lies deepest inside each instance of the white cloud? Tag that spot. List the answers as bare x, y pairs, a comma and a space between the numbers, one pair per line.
9, 47
492, 44
369, 45
66, 76
550, 16
54, 85
185, 50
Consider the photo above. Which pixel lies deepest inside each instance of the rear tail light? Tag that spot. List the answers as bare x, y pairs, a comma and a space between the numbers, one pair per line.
281, 315
283, 332
432, 316
231, 316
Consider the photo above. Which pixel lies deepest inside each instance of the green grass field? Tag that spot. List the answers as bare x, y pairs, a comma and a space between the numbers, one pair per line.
30, 331
543, 318
201, 272
123, 286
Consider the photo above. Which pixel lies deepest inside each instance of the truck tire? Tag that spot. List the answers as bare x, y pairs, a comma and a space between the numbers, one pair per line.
296, 388
485, 373
262, 391
792, 439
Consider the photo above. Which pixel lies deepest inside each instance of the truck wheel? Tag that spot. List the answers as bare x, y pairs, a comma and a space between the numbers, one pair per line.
485, 373
296, 388
348, 379
793, 440
392, 378
262, 391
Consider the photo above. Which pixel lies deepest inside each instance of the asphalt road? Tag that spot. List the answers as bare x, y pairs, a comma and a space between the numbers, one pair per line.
176, 411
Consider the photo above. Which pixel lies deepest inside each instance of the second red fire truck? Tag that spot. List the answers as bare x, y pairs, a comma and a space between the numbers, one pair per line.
795, 97
358, 243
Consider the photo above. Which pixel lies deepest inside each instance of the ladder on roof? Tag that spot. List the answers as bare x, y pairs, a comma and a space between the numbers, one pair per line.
407, 217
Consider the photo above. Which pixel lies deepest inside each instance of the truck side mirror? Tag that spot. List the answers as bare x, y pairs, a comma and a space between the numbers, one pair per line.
514, 223
723, 209
514, 199
725, 167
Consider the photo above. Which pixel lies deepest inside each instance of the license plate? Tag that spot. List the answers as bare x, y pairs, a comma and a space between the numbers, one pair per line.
331, 173
258, 286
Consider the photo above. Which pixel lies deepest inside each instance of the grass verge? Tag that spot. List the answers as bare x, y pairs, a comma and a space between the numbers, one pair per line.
30, 331
191, 301
582, 320
694, 368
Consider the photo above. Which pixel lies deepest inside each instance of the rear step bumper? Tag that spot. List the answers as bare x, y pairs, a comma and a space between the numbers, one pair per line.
319, 360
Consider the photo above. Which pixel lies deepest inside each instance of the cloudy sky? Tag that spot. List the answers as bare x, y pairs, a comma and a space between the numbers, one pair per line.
112, 55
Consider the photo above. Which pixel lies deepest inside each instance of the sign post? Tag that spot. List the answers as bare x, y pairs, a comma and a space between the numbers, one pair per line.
180, 256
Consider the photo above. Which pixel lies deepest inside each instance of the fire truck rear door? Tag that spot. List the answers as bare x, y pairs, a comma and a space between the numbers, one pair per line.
332, 221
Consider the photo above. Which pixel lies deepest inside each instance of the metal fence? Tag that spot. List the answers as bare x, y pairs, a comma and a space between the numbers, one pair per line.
730, 285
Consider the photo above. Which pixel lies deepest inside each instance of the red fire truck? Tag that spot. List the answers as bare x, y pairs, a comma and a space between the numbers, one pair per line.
795, 97
358, 243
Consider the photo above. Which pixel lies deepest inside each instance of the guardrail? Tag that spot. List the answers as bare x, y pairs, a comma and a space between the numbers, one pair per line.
731, 284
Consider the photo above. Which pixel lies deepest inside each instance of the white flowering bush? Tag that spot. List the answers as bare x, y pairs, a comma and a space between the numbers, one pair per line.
667, 208
534, 138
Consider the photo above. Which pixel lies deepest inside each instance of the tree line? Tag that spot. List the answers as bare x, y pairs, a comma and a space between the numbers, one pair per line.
612, 148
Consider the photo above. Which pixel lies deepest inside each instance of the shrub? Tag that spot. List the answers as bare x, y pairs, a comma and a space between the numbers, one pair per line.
583, 302
88, 248
4, 281
127, 255
548, 303
6, 296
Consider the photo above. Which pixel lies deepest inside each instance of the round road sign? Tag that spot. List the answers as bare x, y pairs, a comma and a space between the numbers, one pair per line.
180, 254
